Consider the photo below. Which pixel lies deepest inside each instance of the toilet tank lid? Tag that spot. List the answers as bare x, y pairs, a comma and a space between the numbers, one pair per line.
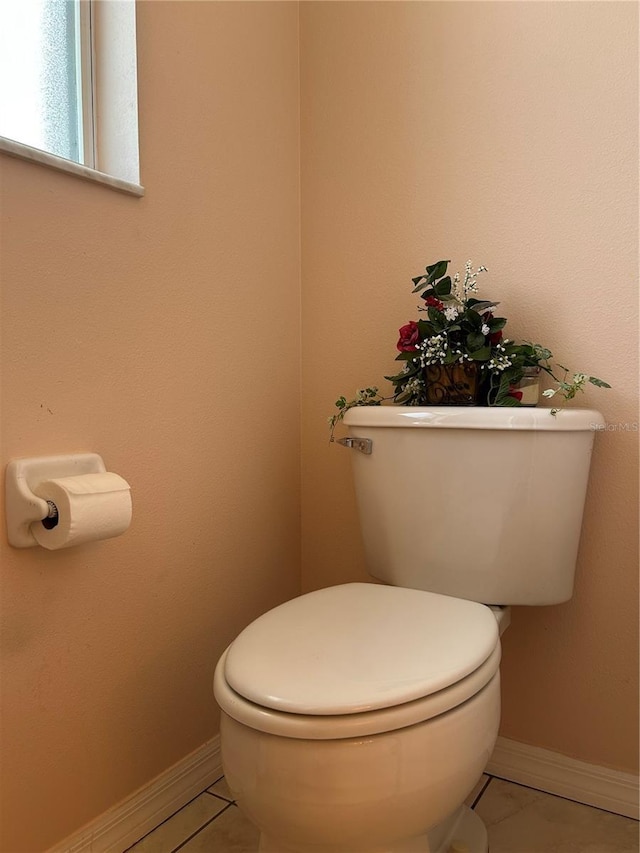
358, 647
476, 417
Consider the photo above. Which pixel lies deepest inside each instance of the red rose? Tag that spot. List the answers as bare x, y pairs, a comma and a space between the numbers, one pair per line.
409, 337
435, 303
513, 393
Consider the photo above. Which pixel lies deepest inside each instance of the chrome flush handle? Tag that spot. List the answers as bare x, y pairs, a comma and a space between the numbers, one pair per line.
364, 445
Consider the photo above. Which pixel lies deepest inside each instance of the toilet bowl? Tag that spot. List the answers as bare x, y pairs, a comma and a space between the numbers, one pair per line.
356, 719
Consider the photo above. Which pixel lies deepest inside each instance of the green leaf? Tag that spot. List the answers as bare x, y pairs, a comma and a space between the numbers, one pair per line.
505, 384
483, 354
443, 287
599, 382
436, 271
475, 341
542, 353
508, 401
437, 318
497, 323
502, 390
401, 378
425, 328
481, 304
472, 318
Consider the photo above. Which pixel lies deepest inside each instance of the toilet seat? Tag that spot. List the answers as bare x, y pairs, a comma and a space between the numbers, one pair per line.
325, 727
357, 659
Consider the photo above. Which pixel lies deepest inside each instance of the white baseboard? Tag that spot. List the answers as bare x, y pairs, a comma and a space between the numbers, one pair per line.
549, 771
126, 823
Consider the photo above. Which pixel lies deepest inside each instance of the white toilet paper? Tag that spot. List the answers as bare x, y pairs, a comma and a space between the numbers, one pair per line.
90, 507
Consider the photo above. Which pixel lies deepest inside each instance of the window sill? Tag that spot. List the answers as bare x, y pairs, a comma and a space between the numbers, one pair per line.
35, 155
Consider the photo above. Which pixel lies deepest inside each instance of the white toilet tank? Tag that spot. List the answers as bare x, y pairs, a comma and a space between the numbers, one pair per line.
477, 503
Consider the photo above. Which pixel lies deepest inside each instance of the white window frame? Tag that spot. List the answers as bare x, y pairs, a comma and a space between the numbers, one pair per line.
107, 56
85, 59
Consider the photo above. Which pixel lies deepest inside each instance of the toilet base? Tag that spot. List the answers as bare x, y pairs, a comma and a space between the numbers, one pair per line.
469, 835
466, 834
399, 791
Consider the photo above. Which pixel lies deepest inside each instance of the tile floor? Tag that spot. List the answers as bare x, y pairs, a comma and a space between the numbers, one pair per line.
518, 819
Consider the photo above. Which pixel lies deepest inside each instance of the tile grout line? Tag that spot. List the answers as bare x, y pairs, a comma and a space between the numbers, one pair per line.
218, 796
171, 816
204, 826
558, 797
484, 788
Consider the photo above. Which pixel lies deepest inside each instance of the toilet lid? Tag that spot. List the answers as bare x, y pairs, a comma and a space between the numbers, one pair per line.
358, 647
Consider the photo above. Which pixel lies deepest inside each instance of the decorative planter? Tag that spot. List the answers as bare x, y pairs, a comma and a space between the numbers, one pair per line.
454, 384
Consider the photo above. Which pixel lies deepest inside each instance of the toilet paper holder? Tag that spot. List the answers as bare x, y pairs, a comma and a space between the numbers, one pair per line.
23, 507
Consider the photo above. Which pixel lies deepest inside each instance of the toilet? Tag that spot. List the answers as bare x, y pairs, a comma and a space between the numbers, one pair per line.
358, 718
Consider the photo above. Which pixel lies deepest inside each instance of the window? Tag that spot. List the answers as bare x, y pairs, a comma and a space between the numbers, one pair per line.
68, 86
45, 72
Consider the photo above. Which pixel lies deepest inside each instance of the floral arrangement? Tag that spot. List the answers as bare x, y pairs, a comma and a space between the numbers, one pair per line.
457, 353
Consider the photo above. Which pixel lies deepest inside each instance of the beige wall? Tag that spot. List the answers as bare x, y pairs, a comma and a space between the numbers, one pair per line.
505, 133
152, 331
162, 333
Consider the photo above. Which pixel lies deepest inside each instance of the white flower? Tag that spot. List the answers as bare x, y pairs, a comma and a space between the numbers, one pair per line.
485, 329
414, 386
433, 350
451, 312
470, 283
549, 392
499, 363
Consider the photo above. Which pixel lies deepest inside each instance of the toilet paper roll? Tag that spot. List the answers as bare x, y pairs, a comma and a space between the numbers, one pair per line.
90, 507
